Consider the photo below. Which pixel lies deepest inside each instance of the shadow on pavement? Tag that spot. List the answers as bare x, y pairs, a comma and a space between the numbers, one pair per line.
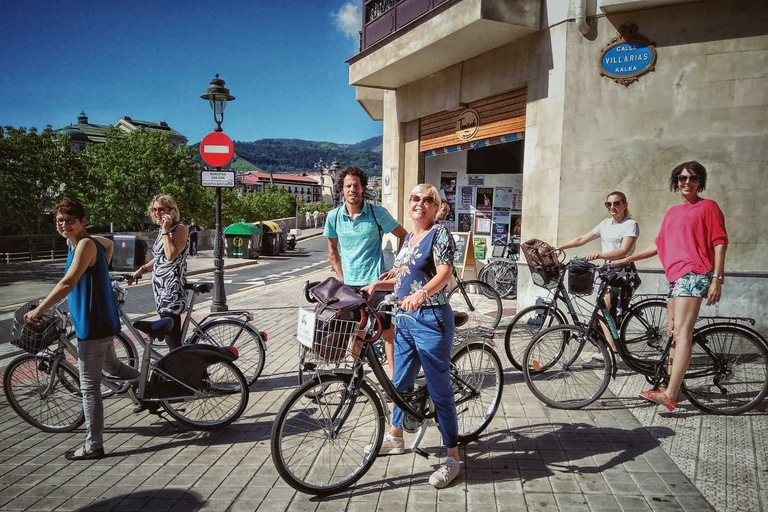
137, 499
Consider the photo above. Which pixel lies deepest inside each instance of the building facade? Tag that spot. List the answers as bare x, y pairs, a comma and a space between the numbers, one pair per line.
306, 187
84, 132
513, 109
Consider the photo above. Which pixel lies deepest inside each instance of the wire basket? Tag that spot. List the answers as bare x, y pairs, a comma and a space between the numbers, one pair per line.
332, 341
546, 277
581, 278
33, 337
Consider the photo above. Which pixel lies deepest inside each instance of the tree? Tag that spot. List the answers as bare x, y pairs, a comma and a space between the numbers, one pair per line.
37, 170
126, 171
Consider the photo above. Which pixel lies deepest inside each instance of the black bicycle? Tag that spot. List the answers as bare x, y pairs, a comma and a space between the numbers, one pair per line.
728, 373
328, 432
642, 326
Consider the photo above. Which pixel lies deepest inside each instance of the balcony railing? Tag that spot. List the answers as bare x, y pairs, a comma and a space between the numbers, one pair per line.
382, 18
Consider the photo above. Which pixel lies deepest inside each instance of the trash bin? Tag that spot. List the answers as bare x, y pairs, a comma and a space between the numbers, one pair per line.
242, 240
129, 253
273, 239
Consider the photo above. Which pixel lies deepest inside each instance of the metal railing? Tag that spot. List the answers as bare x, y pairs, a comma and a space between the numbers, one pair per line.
24, 248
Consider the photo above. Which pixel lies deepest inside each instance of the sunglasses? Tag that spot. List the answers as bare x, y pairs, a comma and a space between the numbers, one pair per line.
425, 200
615, 204
686, 179
163, 209
68, 221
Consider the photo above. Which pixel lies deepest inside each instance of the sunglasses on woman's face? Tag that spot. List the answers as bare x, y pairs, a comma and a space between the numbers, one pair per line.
66, 220
615, 204
422, 199
161, 209
685, 179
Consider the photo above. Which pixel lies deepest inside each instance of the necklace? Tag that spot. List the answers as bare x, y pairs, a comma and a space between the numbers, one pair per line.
417, 238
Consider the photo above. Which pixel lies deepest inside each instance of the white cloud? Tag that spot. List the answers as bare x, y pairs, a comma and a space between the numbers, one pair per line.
349, 19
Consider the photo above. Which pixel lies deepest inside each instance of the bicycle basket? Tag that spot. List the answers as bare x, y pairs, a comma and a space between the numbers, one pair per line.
544, 262
334, 337
581, 277
35, 336
545, 277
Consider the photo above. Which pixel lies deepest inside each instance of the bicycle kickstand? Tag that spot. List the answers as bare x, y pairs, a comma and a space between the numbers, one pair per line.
417, 440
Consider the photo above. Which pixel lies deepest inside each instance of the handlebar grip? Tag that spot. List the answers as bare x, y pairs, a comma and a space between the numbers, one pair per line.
308, 286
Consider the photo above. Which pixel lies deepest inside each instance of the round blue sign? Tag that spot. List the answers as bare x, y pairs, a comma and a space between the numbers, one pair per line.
627, 59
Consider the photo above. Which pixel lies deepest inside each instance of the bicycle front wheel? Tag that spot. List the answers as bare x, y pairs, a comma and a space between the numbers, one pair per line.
477, 380
479, 301
221, 399
229, 332
525, 325
644, 331
728, 373
326, 436
501, 275
555, 371
126, 353
47, 400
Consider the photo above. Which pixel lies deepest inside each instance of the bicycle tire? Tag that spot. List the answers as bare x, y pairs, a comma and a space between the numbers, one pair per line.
469, 362
643, 332
553, 363
321, 395
501, 275
740, 379
525, 325
65, 403
126, 353
226, 332
234, 389
483, 311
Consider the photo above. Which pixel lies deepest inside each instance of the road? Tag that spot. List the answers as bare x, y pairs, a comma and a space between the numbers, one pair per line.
31, 281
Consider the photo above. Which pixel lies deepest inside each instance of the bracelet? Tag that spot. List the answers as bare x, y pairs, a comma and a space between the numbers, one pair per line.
165, 234
425, 292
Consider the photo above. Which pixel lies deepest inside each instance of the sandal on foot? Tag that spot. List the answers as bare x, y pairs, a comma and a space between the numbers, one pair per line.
83, 454
661, 398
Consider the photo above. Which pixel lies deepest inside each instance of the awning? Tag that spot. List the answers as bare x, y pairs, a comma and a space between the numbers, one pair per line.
492, 141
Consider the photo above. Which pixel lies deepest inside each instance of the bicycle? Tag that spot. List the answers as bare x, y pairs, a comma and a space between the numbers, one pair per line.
728, 373
642, 326
321, 431
197, 384
501, 272
478, 300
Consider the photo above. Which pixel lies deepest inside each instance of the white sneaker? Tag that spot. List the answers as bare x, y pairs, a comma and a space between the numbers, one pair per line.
390, 446
446, 473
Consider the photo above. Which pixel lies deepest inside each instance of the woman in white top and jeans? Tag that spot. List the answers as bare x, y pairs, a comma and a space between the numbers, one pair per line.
618, 236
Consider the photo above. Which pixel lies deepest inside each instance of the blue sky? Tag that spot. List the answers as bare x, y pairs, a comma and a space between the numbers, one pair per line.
283, 61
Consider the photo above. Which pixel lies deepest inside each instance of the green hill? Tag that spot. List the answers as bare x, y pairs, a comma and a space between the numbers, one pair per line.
242, 165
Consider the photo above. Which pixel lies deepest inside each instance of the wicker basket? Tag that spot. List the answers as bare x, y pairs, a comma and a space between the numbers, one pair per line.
33, 337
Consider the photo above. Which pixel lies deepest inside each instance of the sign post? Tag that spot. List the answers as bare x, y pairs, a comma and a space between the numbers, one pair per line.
217, 150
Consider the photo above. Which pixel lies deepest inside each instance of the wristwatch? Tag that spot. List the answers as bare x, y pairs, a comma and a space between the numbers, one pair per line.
719, 277
425, 292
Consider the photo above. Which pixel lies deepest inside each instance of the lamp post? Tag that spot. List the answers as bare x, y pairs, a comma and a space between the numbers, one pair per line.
218, 96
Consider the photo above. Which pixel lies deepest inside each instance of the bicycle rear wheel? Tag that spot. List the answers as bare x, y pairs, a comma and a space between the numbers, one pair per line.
478, 300
554, 370
525, 325
644, 331
222, 399
126, 353
321, 433
728, 373
477, 380
48, 401
229, 332
501, 275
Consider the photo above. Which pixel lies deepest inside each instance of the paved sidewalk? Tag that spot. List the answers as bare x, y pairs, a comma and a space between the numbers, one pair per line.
531, 457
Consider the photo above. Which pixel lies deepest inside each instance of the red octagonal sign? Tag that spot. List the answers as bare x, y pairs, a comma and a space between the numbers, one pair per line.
217, 149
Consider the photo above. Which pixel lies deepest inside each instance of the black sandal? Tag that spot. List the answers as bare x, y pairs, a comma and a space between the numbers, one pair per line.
82, 454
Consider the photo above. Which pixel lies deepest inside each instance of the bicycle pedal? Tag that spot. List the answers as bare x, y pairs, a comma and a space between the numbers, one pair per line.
421, 452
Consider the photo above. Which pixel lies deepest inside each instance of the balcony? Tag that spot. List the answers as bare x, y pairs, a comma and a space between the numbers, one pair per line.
404, 40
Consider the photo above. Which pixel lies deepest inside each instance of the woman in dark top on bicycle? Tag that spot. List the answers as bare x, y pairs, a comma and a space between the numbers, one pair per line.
425, 325
94, 315
168, 265
691, 245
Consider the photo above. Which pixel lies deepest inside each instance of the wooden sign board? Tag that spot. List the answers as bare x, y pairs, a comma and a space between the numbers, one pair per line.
465, 252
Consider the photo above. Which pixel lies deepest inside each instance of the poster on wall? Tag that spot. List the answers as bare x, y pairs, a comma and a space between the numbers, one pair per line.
448, 189
482, 224
516, 180
484, 199
476, 180
465, 221
466, 198
500, 227
502, 197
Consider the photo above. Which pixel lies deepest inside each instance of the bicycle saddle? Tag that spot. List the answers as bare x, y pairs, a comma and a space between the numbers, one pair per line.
199, 287
460, 319
157, 329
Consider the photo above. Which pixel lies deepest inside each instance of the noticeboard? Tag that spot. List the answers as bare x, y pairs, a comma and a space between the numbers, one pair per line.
465, 255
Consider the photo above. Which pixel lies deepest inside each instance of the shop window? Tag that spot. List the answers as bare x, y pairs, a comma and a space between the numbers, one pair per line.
499, 159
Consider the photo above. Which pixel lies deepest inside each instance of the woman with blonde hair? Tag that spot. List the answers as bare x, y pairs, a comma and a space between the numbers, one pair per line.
169, 264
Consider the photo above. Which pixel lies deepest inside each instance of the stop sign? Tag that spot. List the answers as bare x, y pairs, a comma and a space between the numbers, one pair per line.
217, 149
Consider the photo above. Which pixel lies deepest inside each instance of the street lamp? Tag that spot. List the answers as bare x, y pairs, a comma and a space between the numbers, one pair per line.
218, 96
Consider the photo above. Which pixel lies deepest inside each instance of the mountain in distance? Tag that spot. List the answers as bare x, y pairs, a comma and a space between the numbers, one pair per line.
296, 156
